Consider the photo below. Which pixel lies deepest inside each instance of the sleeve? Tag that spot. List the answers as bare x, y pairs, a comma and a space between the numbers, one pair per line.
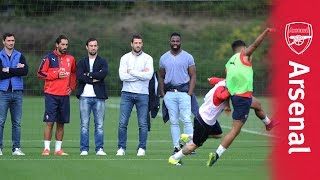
102, 73
222, 93
81, 73
73, 76
20, 71
4, 75
123, 74
44, 73
144, 75
191, 60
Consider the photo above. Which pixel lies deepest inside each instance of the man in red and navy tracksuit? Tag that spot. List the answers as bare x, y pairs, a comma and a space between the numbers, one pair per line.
58, 70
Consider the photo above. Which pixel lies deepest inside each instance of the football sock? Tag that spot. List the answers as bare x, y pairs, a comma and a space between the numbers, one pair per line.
220, 150
178, 155
58, 146
47, 144
266, 120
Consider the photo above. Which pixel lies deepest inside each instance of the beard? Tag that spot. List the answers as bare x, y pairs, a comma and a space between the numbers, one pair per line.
137, 50
175, 48
93, 53
62, 51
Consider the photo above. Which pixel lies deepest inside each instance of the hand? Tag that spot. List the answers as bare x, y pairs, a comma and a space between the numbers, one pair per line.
271, 30
5, 70
227, 110
95, 80
62, 74
19, 65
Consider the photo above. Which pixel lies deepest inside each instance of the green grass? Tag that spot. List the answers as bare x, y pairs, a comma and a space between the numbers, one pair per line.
247, 158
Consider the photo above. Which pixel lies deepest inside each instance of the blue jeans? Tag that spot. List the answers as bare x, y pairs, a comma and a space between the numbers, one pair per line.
12, 101
127, 101
97, 106
179, 105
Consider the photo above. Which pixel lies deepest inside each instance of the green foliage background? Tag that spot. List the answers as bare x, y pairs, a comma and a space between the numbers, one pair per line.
207, 27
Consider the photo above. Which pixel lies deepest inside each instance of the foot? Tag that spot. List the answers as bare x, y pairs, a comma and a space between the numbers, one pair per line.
174, 161
213, 157
18, 152
84, 153
60, 153
184, 138
272, 124
46, 152
121, 152
175, 150
141, 152
100, 152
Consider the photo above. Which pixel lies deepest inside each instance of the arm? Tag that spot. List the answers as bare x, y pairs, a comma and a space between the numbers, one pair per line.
81, 73
43, 71
102, 73
123, 72
4, 73
21, 69
73, 77
146, 74
162, 73
192, 82
248, 51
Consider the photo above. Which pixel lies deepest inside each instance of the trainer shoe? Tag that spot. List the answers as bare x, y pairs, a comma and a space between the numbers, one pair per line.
60, 153
272, 124
1, 152
46, 152
212, 159
175, 150
18, 152
174, 161
184, 138
84, 153
121, 152
141, 152
100, 152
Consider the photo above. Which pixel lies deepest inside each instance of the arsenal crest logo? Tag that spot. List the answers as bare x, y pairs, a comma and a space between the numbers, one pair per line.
298, 36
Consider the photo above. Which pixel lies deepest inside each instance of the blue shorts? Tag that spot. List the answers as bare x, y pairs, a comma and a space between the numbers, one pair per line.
241, 108
57, 109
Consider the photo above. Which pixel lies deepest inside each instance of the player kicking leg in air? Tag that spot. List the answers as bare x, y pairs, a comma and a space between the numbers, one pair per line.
239, 81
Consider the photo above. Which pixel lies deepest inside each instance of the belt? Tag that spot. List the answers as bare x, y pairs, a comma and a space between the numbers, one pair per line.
173, 90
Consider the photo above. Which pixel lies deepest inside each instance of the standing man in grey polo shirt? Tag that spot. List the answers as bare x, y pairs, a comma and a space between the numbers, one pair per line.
136, 69
177, 82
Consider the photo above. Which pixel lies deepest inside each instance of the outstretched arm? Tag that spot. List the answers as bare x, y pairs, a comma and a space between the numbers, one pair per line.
248, 51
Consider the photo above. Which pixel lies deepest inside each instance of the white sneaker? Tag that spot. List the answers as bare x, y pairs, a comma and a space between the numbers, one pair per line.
0, 152
84, 153
100, 152
141, 152
18, 152
121, 152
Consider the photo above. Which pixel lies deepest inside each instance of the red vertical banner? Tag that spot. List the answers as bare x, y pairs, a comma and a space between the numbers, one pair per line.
295, 57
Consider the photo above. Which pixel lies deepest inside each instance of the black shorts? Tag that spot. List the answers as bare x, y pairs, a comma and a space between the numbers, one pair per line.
241, 106
201, 130
57, 109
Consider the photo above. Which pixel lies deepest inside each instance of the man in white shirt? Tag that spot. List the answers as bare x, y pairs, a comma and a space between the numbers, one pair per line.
135, 71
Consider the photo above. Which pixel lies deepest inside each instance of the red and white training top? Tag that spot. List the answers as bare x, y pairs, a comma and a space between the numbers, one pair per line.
214, 103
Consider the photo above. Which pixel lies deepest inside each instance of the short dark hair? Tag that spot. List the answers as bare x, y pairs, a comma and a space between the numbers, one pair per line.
90, 39
5, 35
136, 36
58, 40
175, 34
236, 44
